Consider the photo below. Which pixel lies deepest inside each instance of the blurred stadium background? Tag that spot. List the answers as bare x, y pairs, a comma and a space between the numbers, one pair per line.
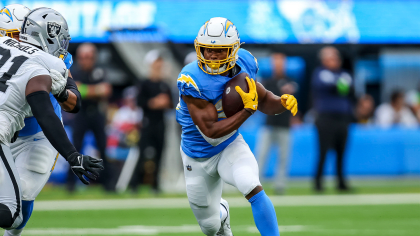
379, 45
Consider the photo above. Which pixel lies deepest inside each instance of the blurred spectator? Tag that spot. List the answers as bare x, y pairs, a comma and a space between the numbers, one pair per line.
192, 56
413, 101
332, 89
277, 127
95, 91
395, 113
154, 98
365, 109
124, 131
125, 126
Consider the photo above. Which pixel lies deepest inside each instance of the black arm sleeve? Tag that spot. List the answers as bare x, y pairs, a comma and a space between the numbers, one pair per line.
71, 85
43, 111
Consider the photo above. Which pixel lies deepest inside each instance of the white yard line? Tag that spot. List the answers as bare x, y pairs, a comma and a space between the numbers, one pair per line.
148, 230
155, 203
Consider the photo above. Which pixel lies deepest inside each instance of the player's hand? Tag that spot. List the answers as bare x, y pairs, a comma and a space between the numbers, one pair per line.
250, 99
58, 81
85, 165
290, 103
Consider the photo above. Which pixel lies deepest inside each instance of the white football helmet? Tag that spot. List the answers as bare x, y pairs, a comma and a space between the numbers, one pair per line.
11, 19
216, 33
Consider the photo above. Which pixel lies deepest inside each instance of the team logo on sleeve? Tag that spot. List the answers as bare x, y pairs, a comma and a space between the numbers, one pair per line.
53, 29
189, 168
188, 81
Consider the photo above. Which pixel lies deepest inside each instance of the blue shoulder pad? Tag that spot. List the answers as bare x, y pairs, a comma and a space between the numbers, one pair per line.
188, 85
249, 60
68, 60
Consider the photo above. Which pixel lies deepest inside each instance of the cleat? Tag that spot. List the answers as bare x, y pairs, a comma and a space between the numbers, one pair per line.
225, 229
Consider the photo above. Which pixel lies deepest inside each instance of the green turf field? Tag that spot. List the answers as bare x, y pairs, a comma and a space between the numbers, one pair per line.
351, 218
314, 221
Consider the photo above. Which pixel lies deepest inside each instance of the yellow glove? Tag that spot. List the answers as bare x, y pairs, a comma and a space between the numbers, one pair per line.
250, 99
290, 103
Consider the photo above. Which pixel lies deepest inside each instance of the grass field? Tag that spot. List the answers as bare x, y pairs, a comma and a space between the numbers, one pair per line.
367, 212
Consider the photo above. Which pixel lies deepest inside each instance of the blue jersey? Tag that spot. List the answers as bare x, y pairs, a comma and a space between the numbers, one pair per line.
31, 124
192, 81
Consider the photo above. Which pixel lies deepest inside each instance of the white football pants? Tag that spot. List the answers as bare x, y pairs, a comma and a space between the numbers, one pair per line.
236, 165
35, 158
10, 194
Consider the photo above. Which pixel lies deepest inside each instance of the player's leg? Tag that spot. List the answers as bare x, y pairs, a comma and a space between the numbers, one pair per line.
238, 167
204, 190
34, 160
283, 137
10, 195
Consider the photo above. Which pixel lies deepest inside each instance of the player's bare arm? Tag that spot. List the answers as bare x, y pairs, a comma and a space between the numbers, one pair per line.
204, 115
270, 104
65, 91
70, 104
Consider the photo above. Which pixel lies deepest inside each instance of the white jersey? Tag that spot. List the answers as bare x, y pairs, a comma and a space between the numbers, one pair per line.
19, 63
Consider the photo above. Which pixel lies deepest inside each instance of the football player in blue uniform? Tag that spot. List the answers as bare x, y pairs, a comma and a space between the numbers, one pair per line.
212, 149
33, 154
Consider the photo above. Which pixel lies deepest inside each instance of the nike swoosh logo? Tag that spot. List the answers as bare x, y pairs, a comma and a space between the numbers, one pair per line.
37, 139
254, 97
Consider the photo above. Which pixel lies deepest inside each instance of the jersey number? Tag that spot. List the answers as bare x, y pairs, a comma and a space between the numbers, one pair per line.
17, 62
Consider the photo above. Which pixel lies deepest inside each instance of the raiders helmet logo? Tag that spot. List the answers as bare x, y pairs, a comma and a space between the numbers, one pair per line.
53, 29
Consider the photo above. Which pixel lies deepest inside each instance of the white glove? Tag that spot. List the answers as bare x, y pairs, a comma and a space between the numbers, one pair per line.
58, 81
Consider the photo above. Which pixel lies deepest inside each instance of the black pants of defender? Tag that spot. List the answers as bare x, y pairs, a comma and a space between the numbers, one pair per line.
151, 147
332, 132
94, 121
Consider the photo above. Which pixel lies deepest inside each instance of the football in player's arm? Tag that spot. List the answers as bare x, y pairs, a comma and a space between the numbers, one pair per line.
211, 146
205, 116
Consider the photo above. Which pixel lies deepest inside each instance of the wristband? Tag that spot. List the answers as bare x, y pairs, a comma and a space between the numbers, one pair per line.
63, 96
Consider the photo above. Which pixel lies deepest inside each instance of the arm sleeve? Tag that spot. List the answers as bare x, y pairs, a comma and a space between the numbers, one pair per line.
71, 85
43, 111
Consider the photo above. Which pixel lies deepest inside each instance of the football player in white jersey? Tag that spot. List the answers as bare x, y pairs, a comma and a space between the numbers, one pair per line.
29, 71
33, 154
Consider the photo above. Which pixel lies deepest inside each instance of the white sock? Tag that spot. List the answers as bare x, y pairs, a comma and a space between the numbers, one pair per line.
13, 232
223, 213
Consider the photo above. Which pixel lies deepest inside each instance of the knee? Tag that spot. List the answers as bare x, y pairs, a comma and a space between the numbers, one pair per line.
210, 226
246, 180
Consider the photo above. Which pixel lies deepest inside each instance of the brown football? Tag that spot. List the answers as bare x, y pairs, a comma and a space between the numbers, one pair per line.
231, 100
